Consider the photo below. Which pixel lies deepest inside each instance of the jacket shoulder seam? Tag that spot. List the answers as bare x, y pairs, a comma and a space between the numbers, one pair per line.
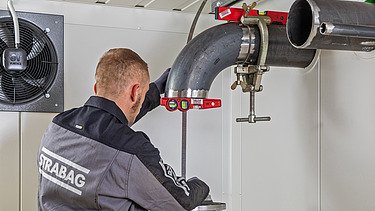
127, 176
102, 178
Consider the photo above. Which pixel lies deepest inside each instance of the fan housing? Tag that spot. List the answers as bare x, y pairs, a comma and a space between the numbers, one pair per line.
31, 76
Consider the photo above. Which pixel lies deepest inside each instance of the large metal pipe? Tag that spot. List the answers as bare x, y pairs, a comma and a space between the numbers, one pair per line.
224, 45
307, 22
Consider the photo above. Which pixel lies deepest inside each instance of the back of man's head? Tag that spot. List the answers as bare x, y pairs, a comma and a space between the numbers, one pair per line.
117, 69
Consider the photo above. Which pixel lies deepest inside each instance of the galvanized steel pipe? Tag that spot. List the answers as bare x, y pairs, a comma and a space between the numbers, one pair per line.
355, 22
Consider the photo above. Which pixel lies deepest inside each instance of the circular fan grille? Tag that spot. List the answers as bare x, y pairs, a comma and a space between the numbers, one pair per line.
42, 64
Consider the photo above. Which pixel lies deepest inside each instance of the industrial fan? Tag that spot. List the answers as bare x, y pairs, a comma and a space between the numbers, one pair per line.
31, 72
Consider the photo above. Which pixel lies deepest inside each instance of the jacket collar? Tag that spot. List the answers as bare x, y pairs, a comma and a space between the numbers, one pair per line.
108, 106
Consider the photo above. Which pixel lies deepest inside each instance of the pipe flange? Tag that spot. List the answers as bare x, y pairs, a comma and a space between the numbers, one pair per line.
247, 46
261, 22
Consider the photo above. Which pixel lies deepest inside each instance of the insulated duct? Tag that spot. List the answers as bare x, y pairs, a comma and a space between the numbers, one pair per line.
219, 47
332, 24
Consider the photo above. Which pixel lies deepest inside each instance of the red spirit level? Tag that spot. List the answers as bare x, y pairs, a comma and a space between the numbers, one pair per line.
235, 14
184, 104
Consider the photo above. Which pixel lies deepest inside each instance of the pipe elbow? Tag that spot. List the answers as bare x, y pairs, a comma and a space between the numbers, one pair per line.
202, 59
221, 46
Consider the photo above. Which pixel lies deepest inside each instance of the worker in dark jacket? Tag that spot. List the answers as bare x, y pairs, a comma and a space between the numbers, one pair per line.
90, 158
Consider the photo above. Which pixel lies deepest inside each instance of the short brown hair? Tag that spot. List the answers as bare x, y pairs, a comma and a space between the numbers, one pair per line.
117, 68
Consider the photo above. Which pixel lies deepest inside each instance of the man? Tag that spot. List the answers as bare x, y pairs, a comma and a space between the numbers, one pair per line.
90, 158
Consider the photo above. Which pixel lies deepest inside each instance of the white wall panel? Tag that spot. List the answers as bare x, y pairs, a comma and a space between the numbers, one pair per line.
9, 161
348, 131
33, 126
280, 158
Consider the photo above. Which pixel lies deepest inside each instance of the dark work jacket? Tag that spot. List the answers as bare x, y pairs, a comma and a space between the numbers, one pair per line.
90, 159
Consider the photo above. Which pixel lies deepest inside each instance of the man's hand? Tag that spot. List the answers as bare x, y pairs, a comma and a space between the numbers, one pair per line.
162, 81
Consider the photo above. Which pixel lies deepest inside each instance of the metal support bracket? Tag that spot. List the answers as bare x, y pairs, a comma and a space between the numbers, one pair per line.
249, 77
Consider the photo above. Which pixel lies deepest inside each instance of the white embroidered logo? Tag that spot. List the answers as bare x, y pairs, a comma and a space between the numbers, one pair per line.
57, 172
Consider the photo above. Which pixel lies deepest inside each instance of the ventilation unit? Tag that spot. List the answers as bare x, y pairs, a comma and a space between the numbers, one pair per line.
36, 82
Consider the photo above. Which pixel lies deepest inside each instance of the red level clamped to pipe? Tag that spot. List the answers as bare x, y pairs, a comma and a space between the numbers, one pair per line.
185, 104
235, 14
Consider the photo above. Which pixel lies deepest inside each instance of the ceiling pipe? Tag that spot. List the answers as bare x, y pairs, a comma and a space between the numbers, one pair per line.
333, 24
219, 47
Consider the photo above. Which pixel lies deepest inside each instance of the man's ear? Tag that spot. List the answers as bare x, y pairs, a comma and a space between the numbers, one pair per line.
135, 89
95, 88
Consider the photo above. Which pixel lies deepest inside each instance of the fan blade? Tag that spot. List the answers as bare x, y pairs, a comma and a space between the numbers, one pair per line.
8, 87
17, 89
7, 36
25, 90
3, 45
38, 66
5, 40
1, 69
36, 49
26, 39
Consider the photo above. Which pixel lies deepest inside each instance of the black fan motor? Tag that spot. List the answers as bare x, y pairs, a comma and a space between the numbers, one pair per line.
14, 60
